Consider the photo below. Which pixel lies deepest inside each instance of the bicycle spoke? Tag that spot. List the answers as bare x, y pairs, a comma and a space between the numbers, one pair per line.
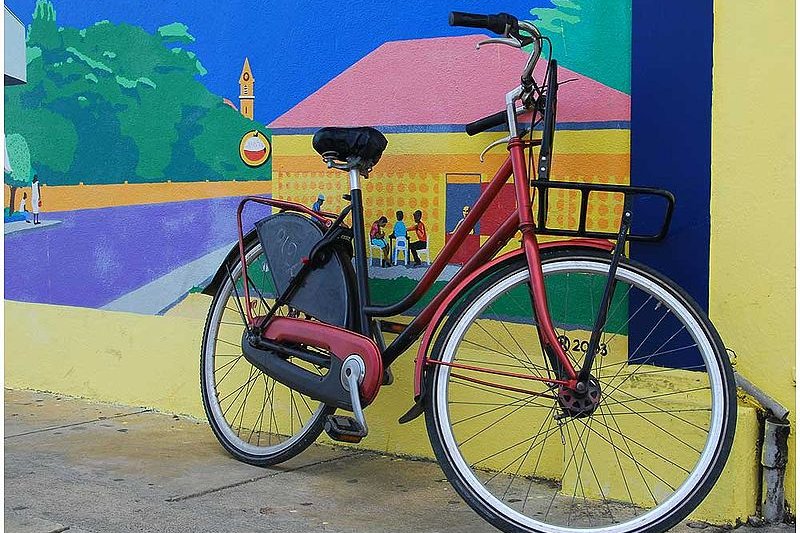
521, 349
619, 463
594, 474
631, 457
670, 413
491, 425
244, 404
493, 391
648, 358
512, 446
621, 456
641, 398
500, 344
524, 457
649, 450
522, 365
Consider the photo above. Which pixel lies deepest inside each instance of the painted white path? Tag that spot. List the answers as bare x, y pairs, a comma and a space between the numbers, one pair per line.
20, 225
162, 293
159, 295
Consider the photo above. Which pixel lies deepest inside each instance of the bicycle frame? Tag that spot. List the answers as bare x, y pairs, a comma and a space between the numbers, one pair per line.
521, 219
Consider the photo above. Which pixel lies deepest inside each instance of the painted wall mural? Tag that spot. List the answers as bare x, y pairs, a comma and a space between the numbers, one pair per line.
144, 129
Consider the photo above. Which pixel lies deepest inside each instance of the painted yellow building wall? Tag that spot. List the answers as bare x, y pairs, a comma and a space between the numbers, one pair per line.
752, 271
412, 175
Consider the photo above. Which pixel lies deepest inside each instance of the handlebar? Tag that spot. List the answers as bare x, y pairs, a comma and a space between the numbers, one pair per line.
508, 26
501, 24
485, 123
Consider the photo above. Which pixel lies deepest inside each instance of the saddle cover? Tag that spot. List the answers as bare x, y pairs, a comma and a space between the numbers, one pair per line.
366, 143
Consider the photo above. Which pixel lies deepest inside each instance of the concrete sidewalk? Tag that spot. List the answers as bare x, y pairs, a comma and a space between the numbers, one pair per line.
80, 466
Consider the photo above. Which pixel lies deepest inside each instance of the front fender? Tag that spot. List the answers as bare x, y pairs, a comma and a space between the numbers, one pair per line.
428, 335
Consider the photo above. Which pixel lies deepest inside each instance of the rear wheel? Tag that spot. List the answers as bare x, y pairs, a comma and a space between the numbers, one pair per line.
255, 418
637, 452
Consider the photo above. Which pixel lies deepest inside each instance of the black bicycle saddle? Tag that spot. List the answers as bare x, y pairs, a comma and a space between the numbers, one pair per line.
346, 143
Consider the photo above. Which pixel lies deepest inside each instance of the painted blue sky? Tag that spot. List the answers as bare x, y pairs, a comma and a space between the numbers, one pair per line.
294, 47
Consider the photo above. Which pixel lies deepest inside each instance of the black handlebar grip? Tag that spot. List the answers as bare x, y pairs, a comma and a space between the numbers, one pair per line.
485, 123
496, 23
469, 20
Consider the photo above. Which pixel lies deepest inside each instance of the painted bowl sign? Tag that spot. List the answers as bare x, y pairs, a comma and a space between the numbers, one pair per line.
254, 149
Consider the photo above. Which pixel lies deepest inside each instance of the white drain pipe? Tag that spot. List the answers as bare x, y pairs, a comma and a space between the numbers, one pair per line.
774, 451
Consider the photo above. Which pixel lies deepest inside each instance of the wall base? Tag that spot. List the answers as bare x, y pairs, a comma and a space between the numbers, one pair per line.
153, 361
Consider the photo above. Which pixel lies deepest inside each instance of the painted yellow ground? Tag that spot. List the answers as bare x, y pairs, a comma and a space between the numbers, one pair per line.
753, 184
154, 361
68, 197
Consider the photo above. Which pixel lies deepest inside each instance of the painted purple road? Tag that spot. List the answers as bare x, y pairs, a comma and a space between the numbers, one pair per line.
98, 255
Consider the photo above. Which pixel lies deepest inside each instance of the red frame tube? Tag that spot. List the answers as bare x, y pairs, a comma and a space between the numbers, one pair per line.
421, 361
547, 332
521, 219
499, 372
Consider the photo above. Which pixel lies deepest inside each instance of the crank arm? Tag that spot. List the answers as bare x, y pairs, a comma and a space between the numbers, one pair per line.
353, 373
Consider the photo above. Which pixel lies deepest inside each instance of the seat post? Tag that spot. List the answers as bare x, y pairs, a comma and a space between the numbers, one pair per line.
359, 245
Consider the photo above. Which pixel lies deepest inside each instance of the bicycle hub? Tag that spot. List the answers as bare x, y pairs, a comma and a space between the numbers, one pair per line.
581, 403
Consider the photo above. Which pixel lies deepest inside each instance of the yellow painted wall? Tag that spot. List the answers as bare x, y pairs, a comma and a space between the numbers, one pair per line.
752, 271
412, 175
153, 361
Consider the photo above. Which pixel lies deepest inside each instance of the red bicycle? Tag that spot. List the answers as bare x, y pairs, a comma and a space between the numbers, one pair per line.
565, 386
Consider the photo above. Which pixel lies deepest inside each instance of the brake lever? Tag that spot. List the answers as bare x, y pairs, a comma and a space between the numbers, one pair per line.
509, 41
498, 142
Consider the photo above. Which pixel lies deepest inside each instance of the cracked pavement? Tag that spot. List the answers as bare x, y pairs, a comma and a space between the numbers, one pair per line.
82, 466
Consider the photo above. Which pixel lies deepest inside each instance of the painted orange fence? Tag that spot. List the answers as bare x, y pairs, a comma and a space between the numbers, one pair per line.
68, 197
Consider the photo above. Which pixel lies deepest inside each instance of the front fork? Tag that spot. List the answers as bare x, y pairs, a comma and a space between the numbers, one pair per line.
548, 338
559, 361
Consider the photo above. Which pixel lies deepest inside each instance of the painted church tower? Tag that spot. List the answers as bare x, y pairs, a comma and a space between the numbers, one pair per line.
246, 94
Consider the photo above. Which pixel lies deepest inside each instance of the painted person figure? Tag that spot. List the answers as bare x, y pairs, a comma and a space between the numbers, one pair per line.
422, 237
23, 207
36, 199
317, 207
464, 213
399, 229
378, 238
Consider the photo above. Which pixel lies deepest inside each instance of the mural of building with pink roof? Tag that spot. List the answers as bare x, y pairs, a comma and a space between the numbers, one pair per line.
421, 93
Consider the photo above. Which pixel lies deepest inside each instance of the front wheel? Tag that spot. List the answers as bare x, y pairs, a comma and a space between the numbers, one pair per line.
637, 452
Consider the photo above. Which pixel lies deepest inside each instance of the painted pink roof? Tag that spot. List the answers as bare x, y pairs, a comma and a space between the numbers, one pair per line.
442, 80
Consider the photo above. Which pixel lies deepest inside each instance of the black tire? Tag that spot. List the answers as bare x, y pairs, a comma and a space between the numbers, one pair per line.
243, 450
499, 513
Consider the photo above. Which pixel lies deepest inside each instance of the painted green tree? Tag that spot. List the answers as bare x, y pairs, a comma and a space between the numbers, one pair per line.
19, 159
112, 103
591, 37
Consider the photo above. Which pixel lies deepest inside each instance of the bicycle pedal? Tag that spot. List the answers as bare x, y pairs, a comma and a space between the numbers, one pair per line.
388, 376
344, 429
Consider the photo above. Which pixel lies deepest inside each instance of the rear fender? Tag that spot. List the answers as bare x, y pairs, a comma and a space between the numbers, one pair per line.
428, 336
222, 271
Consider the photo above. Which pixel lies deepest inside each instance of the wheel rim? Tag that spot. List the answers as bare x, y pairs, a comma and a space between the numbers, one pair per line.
580, 440
251, 410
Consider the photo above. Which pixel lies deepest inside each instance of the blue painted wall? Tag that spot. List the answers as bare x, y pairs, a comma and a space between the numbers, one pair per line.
671, 62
